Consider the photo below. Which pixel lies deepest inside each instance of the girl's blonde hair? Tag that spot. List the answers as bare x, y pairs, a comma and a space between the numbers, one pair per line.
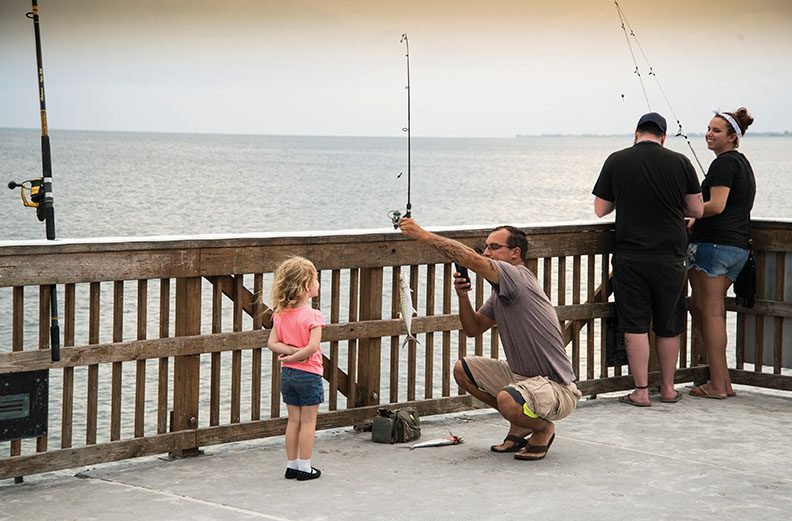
292, 279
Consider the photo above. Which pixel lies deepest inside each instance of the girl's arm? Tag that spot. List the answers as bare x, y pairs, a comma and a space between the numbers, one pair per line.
305, 353
275, 345
717, 203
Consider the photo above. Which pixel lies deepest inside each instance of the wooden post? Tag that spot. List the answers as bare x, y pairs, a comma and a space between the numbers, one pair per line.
186, 369
368, 387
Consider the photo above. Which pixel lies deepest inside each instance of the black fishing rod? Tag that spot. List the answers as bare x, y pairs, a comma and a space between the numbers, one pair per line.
395, 215
625, 25
40, 190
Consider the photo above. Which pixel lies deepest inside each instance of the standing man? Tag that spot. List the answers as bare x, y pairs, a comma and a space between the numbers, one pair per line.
652, 190
535, 385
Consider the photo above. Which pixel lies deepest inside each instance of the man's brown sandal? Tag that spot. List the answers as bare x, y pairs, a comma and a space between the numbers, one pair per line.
518, 443
534, 452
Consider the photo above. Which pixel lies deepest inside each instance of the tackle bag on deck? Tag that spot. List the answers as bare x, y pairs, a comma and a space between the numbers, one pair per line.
395, 426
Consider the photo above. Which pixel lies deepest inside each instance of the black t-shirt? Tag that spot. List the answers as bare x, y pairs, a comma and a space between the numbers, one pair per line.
648, 184
732, 226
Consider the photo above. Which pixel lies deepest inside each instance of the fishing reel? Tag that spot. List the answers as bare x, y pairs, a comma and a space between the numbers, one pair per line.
396, 215
35, 189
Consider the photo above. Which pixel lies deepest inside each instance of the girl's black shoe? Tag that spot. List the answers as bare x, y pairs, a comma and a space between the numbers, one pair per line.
305, 476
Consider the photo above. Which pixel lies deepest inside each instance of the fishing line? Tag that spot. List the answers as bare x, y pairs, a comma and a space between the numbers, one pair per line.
625, 25
637, 72
395, 215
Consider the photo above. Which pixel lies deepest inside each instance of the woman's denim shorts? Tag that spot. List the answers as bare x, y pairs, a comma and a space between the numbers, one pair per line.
717, 259
301, 387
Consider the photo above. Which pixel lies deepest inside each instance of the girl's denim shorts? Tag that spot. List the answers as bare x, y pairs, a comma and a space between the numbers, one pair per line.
717, 259
301, 388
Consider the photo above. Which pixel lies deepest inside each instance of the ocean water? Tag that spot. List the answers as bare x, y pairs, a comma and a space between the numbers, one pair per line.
109, 184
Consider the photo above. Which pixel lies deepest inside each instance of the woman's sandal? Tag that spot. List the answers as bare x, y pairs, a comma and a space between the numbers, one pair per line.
534, 452
702, 392
518, 443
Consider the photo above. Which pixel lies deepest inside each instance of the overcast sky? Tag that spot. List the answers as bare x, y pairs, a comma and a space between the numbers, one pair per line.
336, 67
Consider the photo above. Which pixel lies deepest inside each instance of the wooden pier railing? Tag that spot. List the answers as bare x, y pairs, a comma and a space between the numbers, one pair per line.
163, 340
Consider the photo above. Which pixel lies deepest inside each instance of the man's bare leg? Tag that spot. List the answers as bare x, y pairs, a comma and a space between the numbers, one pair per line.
543, 430
667, 354
464, 382
638, 356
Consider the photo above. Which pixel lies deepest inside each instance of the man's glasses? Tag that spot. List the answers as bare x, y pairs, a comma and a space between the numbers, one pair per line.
494, 246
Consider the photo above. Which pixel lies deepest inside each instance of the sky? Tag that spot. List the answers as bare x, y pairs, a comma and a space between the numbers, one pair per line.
484, 68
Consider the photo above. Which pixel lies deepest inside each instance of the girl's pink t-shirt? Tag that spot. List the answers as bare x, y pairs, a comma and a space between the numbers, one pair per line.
294, 328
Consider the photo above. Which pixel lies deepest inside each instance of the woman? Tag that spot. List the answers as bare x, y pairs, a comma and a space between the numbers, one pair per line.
720, 242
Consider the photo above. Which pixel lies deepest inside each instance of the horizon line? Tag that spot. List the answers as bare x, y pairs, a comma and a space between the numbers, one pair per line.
782, 133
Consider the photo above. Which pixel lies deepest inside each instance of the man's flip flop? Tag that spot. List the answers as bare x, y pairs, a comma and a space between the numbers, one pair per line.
518, 443
534, 452
629, 401
675, 399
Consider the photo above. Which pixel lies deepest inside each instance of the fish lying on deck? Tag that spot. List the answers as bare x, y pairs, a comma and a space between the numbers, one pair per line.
451, 439
406, 309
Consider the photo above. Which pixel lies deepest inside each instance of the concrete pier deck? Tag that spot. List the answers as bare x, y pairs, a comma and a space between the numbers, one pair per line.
693, 460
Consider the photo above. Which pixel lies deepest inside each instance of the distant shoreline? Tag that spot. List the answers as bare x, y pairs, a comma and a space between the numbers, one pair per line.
786, 134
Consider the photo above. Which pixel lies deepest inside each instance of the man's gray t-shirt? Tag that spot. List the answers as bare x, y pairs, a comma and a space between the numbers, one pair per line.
528, 325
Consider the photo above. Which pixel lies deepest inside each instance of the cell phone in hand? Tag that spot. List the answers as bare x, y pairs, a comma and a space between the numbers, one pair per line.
462, 271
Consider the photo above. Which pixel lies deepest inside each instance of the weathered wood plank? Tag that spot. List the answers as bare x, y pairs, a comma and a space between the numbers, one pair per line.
17, 342
48, 269
767, 380
140, 365
67, 405
431, 271
412, 354
369, 355
216, 360
448, 271
256, 357
759, 319
94, 454
354, 279
236, 354
217, 343
327, 420
93, 370
778, 325
118, 336
162, 370
624, 383
332, 362
394, 339
186, 369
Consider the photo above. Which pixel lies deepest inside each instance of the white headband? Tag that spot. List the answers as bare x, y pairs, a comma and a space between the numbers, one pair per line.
730, 121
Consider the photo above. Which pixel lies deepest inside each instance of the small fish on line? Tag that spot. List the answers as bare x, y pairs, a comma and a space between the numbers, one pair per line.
451, 439
406, 307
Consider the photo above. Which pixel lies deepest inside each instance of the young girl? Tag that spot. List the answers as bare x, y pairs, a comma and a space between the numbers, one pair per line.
295, 336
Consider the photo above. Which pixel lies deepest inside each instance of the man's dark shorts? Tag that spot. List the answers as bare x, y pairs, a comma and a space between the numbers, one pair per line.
650, 288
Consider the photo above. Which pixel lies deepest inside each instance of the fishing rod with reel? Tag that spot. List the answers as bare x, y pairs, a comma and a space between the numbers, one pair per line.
395, 215
625, 25
40, 189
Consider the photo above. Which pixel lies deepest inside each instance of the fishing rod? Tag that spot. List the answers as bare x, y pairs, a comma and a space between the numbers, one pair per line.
395, 215
40, 190
625, 25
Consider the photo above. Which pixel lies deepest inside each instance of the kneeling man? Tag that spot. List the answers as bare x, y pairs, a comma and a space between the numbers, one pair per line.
535, 385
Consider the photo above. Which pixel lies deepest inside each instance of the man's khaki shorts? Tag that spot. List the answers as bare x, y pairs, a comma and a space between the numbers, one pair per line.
542, 397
